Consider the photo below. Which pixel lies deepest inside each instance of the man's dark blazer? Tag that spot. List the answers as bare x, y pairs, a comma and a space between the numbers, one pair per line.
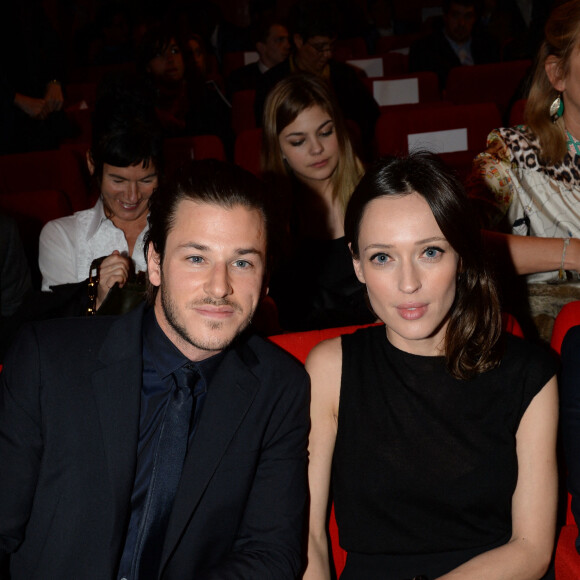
434, 53
69, 422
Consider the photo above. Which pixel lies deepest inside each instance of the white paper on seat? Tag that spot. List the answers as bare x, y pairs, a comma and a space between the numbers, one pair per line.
396, 92
250, 57
439, 141
372, 66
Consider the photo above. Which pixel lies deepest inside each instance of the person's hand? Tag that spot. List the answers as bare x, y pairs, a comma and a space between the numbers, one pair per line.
53, 97
34, 108
113, 269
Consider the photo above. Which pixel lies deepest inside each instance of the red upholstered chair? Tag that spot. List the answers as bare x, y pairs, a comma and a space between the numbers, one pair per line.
567, 558
517, 112
568, 317
237, 59
398, 42
458, 133
395, 63
404, 89
79, 93
354, 47
42, 170
82, 122
483, 83
180, 150
299, 344
243, 116
247, 150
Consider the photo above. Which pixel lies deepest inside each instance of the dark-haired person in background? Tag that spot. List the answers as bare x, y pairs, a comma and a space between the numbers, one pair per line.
186, 104
124, 159
457, 43
313, 31
168, 442
272, 43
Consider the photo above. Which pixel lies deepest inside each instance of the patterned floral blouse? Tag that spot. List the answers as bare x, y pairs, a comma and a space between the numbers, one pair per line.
516, 193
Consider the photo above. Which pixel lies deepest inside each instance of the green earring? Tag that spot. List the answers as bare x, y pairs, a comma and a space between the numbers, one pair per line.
557, 108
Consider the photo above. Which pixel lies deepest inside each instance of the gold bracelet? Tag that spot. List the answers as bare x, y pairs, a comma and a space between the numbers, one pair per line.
561, 271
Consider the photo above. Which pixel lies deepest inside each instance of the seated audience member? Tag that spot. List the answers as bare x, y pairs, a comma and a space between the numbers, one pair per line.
457, 43
15, 280
124, 160
515, 25
527, 182
381, 22
112, 41
31, 73
313, 32
186, 103
306, 153
169, 442
570, 416
436, 433
272, 44
205, 64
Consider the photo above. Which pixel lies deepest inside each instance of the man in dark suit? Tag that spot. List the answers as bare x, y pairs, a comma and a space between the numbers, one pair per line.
170, 442
457, 43
272, 45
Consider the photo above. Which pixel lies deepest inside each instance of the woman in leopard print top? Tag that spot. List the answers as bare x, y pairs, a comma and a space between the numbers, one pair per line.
527, 182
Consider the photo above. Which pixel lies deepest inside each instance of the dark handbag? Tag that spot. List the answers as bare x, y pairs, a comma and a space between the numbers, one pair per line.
123, 300
118, 300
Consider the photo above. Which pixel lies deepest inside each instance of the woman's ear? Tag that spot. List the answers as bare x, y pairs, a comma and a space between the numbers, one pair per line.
553, 69
298, 40
357, 266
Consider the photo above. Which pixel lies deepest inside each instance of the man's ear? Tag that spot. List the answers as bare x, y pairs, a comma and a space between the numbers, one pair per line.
357, 267
298, 41
90, 162
153, 265
553, 69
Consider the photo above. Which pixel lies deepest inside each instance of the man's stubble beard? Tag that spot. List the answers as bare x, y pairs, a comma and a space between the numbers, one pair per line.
171, 315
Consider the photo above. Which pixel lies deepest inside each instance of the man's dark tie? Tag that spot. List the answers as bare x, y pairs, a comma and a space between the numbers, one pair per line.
167, 466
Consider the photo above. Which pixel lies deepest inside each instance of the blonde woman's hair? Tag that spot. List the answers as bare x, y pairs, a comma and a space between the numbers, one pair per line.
284, 103
561, 39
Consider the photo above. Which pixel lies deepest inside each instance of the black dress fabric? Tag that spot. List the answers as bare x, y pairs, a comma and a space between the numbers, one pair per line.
425, 465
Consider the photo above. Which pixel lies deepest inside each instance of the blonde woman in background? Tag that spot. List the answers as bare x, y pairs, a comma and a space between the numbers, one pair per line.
308, 156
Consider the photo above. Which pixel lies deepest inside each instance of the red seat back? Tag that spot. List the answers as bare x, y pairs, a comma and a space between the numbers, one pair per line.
427, 86
180, 150
42, 170
247, 150
478, 120
483, 83
517, 112
243, 116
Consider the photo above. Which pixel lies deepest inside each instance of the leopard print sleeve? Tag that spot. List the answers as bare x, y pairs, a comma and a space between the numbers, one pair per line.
490, 183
